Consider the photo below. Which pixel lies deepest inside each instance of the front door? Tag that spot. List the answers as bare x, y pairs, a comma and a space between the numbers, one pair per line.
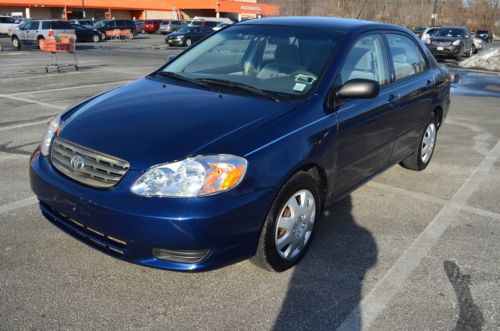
366, 126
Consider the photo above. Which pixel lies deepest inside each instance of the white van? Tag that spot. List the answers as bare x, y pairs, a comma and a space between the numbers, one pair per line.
209, 21
6, 24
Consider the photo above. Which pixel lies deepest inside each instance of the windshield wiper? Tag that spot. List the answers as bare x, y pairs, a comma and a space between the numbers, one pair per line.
237, 86
182, 78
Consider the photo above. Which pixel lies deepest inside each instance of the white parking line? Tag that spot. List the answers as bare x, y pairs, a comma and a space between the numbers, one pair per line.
18, 204
71, 88
431, 199
375, 302
23, 125
40, 103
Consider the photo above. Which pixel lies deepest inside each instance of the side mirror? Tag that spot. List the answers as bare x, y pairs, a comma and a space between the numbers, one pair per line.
170, 57
359, 88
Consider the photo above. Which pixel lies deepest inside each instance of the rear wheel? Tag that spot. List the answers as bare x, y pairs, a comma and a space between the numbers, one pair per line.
289, 226
422, 156
16, 43
40, 41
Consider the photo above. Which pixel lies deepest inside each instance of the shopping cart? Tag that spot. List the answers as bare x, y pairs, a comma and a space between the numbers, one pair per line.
63, 43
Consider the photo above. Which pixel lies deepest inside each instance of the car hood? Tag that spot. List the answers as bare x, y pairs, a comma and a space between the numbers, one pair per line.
149, 122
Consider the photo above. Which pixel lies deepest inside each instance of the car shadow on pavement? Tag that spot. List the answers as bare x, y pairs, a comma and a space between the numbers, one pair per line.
327, 284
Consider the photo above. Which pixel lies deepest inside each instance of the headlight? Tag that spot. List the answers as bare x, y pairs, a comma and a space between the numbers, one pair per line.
192, 177
427, 40
49, 136
456, 43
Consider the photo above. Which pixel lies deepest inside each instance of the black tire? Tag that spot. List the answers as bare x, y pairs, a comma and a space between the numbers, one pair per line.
415, 161
96, 38
188, 42
16, 43
40, 42
267, 256
474, 50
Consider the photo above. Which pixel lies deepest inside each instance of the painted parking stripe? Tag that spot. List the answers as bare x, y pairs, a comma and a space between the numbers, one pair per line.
40, 103
375, 302
18, 204
71, 88
23, 125
431, 199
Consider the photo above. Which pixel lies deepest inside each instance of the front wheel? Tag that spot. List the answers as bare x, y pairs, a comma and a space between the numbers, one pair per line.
16, 43
188, 42
420, 159
289, 226
474, 50
96, 38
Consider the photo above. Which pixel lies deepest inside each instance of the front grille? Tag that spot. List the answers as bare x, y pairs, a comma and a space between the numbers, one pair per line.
87, 166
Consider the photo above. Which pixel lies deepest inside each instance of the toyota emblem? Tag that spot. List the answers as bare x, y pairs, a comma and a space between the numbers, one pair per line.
77, 162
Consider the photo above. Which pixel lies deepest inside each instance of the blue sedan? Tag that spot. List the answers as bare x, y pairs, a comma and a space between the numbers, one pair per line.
232, 149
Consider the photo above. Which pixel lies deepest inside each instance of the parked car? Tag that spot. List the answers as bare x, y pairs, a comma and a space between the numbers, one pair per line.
233, 149
453, 42
86, 23
169, 26
110, 25
427, 33
139, 26
33, 32
188, 35
7, 23
85, 34
151, 26
419, 30
209, 21
478, 44
485, 35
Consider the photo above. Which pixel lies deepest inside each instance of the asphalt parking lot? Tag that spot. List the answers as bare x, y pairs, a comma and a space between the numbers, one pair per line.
407, 251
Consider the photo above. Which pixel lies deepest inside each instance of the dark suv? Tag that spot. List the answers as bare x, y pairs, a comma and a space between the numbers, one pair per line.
452, 42
109, 25
485, 35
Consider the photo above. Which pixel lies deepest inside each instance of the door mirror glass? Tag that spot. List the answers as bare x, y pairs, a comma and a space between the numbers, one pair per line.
359, 88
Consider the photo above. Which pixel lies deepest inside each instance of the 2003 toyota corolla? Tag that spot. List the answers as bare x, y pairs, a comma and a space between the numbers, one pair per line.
232, 149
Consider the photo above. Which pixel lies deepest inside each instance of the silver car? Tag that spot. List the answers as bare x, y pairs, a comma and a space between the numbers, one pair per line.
169, 26
7, 23
33, 32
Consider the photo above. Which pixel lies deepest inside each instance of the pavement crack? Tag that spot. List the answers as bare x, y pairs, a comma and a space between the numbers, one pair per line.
470, 316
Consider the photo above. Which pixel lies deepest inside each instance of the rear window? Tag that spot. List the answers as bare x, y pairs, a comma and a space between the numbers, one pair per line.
60, 25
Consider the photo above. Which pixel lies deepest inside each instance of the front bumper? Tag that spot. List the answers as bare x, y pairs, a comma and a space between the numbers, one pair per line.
129, 227
445, 51
174, 42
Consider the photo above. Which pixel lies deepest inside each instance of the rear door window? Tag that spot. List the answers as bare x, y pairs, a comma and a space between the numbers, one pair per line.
61, 25
406, 56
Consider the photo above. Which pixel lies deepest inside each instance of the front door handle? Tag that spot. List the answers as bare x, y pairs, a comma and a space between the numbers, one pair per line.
393, 97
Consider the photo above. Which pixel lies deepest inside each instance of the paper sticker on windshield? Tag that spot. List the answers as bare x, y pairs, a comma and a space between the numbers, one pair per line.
304, 79
299, 87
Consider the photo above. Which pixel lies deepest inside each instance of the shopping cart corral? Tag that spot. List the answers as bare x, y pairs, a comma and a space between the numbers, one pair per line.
62, 43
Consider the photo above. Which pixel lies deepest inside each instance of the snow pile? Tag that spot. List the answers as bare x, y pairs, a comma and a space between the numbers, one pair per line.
488, 60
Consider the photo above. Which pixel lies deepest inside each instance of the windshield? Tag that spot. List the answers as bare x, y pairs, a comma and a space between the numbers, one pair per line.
100, 24
187, 29
449, 33
272, 59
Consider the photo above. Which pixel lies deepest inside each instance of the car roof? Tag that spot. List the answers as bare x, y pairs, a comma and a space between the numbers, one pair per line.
342, 24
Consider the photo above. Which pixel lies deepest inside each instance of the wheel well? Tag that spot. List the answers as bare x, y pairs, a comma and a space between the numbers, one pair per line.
40, 37
14, 36
319, 176
439, 115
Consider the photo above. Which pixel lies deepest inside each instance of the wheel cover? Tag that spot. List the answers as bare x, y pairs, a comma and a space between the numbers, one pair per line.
295, 224
428, 142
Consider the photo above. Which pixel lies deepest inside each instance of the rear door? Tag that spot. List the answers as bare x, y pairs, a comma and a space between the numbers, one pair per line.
414, 81
366, 126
